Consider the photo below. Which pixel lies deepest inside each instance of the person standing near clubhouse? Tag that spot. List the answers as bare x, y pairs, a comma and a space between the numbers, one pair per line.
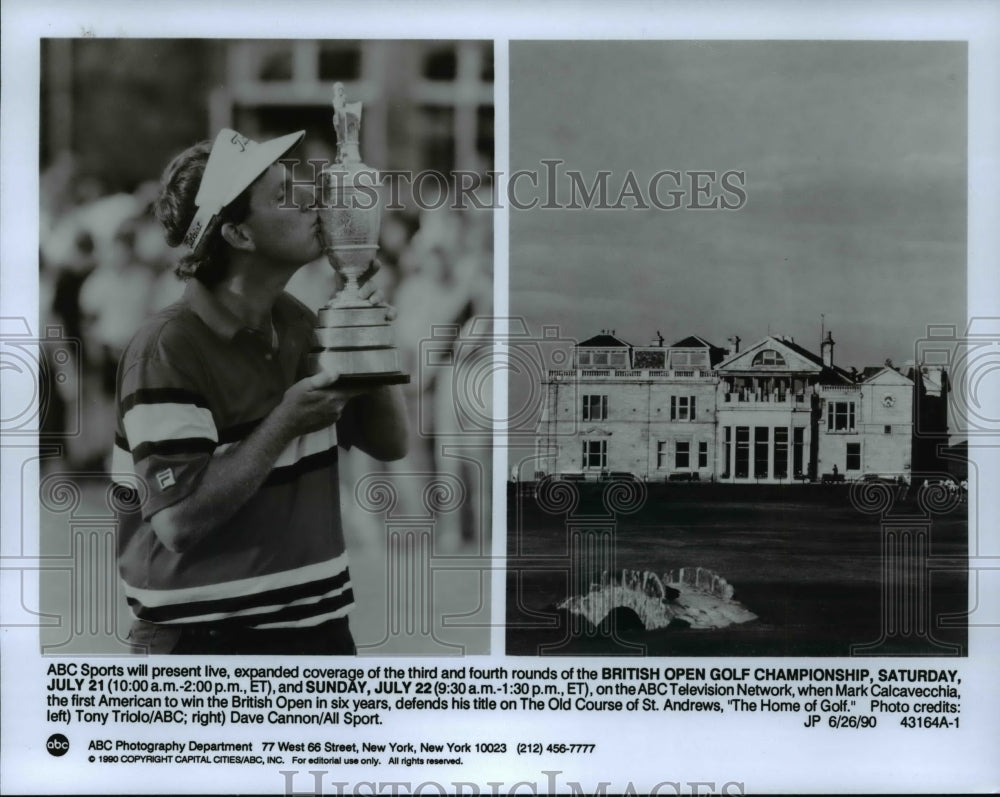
233, 542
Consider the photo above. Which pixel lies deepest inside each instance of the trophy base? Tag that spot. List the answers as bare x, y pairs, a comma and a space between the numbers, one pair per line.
360, 369
356, 343
355, 361
365, 315
348, 381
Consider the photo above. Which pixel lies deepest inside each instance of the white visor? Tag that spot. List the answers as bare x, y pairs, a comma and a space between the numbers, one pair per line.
233, 164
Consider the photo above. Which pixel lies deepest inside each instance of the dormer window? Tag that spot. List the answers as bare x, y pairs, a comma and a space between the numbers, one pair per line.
602, 359
768, 357
688, 359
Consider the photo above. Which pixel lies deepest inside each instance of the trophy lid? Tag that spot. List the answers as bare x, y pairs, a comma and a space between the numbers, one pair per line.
347, 123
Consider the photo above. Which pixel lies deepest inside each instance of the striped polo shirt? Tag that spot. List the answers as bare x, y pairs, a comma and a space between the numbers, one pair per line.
192, 384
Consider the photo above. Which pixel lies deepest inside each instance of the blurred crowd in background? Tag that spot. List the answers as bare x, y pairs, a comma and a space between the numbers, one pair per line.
105, 267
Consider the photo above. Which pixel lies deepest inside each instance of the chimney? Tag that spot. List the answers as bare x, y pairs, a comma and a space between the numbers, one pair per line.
735, 340
826, 348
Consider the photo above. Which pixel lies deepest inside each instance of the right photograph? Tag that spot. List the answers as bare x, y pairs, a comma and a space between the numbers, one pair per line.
737, 332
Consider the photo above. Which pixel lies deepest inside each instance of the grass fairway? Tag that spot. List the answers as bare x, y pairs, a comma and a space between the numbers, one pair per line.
804, 560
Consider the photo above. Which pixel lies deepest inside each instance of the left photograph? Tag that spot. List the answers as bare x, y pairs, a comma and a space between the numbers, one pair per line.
265, 285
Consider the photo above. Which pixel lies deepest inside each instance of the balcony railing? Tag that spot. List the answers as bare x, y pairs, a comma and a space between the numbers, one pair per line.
761, 397
634, 373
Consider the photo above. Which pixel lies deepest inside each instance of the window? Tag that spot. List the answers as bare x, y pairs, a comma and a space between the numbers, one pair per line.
742, 452
760, 446
887, 429
727, 449
780, 452
688, 359
703, 454
798, 448
682, 408
339, 62
441, 64
768, 357
436, 136
595, 454
484, 131
661, 454
595, 408
602, 359
854, 456
682, 455
840, 416
277, 65
650, 359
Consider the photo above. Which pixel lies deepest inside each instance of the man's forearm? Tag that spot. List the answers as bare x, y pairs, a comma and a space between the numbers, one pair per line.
229, 481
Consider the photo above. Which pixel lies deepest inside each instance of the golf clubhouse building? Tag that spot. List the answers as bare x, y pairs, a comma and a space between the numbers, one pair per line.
772, 412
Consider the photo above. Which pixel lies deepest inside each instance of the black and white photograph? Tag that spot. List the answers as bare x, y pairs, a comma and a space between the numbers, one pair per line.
499, 398
251, 459
739, 259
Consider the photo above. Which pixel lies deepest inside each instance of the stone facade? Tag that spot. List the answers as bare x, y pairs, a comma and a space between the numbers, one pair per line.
771, 413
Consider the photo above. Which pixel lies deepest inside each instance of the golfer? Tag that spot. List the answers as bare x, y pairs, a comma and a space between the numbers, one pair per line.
233, 543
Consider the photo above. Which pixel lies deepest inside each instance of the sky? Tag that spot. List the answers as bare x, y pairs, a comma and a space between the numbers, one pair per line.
854, 156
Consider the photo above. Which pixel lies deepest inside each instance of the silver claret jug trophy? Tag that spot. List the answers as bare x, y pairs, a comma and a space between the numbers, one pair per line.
355, 339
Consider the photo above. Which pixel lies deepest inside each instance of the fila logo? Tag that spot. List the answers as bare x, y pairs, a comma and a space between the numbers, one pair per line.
166, 478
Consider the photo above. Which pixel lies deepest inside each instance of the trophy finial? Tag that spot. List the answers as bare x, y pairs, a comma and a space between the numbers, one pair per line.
347, 123
339, 96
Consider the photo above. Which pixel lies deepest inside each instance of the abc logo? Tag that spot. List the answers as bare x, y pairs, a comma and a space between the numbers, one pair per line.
57, 744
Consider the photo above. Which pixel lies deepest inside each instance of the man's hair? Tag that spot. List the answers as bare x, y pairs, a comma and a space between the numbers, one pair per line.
175, 209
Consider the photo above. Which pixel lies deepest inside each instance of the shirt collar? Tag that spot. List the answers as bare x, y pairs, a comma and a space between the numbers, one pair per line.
209, 309
227, 325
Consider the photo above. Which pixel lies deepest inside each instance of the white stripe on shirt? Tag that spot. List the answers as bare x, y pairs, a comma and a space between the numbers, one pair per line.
240, 588
313, 443
153, 423
307, 445
267, 609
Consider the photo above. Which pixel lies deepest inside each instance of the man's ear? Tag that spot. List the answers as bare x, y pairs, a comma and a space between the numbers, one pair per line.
237, 236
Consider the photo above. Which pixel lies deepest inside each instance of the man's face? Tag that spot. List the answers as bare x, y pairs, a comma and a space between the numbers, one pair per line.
286, 232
